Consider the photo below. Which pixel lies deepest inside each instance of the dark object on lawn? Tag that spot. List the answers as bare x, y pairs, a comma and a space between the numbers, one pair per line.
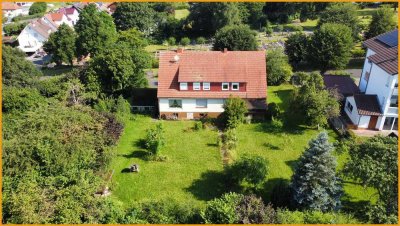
134, 168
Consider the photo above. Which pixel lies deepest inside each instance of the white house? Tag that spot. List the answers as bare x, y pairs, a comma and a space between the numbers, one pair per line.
71, 13
195, 84
60, 18
376, 107
35, 34
10, 9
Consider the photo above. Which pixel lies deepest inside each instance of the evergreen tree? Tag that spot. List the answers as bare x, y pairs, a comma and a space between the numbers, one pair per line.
61, 45
314, 184
382, 21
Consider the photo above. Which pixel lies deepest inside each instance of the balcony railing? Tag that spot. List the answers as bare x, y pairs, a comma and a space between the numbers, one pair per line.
392, 111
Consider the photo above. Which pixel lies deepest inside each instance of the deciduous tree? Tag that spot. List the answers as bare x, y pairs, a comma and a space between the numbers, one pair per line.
235, 38
61, 45
278, 67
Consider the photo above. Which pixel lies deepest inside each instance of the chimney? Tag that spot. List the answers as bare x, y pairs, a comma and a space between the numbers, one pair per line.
179, 50
225, 50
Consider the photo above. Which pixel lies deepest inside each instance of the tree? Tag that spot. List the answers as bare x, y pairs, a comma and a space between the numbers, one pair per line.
132, 37
315, 185
14, 28
278, 67
154, 140
342, 13
95, 31
38, 7
135, 15
16, 70
61, 45
234, 111
382, 21
255, 16
296, 48
268, 28
374, 163
201, 40
185, 41
171, 41
249, 169
235, 38
280, 12
330, 47
313, 102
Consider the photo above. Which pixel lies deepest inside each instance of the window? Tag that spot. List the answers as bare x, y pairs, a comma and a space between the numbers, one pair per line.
349, 107
225, 86
206, 86
196, 85
183, 86
175, 103
235, 86
394, 101
366, 77
201, 103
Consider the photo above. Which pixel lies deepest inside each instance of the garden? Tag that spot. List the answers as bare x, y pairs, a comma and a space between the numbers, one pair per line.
192, 171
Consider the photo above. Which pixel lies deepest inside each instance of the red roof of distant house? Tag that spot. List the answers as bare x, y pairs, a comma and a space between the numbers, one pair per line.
9, 6
56, 16
69, 10
212, 66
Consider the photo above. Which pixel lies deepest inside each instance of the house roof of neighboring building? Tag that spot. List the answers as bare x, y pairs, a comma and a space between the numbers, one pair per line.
212, 66
385, 48
367, 104
67, 11
49, 20
42, 28
57, 16
9, 6
344, 84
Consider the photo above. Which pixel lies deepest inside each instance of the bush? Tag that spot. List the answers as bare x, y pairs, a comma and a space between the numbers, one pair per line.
26, 17
201, 40
252, 170
293, 28
276, 123
21, 99
280, 195
154, 140
185, 41
313, 217
229, 139
235, 109
273, 110
222, 210
198, 125
358, 52
120, 107
268, 28
171, 41
251, 210
155, 63
279, 28
38, 7
14, 28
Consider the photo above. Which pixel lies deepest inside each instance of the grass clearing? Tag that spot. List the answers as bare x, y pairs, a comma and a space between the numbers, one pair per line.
192, 172
181, 14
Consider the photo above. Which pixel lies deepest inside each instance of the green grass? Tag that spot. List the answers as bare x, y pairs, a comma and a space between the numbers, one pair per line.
56, 70
192, 172
181, 13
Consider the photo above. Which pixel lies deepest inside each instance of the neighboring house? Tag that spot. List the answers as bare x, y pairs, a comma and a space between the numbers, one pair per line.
10, 9
71, 13
376, 107
195, 84
35, 34
60, 18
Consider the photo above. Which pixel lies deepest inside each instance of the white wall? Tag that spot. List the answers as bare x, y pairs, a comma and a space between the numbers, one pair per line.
29, 40
189, 105
354, 116
377, 85
367, 67
364, 121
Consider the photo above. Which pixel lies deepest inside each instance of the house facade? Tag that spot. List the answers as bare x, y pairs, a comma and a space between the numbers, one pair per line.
195, 84
35, 34
10, 9
376, 106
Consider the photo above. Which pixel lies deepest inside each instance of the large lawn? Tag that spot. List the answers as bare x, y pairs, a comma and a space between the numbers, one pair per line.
193, 169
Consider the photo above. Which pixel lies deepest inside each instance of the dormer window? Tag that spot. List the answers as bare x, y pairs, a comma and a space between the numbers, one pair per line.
183, 86
196, 85
235, 86
225, 86
206, 86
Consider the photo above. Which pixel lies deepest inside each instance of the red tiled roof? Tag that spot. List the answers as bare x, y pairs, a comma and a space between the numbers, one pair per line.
212, 66
42, 28
56, 16
367, 104
9, 6
385, 56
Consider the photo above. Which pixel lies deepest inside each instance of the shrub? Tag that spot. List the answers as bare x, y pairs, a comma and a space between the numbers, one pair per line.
198, 126
185, 41
21, 99
154, 140
313, 217
234, 111
251, 210
273, 110
285, 216
222, 210
38, 7
155, 63
276, 123
229, 139
13, 28
268, 28
252, 170
26, 17
280, 195
358, 52
120, 107
279, 28
171, 41
201, 40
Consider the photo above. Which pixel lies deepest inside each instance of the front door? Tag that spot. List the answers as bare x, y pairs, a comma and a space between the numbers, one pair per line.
372, 122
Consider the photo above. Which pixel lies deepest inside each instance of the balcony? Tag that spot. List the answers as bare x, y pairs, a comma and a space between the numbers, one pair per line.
395, 91
392, 111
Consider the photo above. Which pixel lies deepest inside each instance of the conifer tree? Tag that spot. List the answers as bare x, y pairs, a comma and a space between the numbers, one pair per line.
314, 184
